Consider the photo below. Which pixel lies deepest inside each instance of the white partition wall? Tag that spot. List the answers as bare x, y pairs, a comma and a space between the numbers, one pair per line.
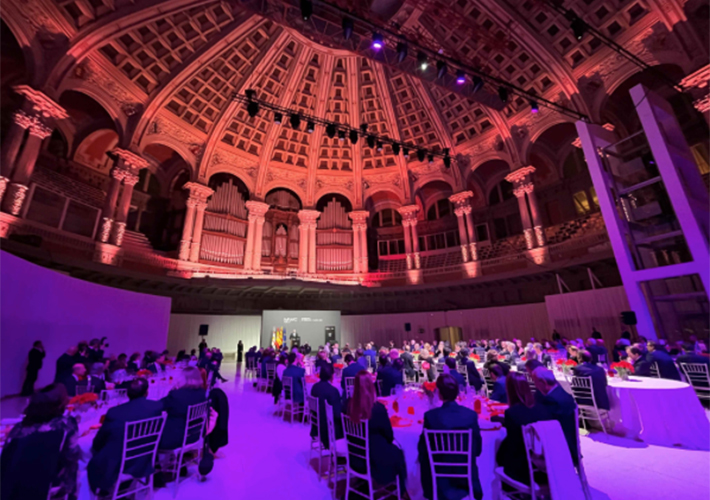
224, 332
41, 304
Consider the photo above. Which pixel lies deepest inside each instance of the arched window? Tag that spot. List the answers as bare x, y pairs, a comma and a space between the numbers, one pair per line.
440, 209
502, 191
388, 217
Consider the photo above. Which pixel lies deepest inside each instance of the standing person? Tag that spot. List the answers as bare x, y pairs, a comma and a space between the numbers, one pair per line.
202, 346
65, 363
240, 352
34, 364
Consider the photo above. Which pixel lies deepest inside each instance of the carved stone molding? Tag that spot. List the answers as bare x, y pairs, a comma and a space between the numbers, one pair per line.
520, 174
287, 176
198, 193
409, 214
333, 181
130, 159
308, 216
258, 208
41, 104
90, 72
374, 182
461, 200
161, 126
223, 157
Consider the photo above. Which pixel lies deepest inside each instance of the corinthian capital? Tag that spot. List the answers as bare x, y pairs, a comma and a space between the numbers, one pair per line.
41, 104
520, 174
40, 130
461, 199
21, 118
130, 159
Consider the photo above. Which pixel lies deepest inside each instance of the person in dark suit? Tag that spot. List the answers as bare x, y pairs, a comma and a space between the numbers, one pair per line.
321, 360
34, 364
522, 411
429, 368
371, 355
389, 376
642, 367
98, 384
176, 403
219, 436
351, 369
598, 376
387, 462
95, 351
240, 351
450, 363
327, 393
492, 360
560, 406
474, 378
408, 361
107, 447
65, 364
498, 393
450, 417
666, 366
544, 358
132, 367
688, 355
78, 378
595, 348
297, 374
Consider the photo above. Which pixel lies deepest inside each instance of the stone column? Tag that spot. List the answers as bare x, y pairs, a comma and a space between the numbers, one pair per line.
302, 247
199, 193
536, 215
521, 183
415, 245
252, 256
359, 218
197, 231
15, 136
472, 241
406, 225
187, 226
307, 242
461, 202
312, 254
118, 173
411, 240
124, 205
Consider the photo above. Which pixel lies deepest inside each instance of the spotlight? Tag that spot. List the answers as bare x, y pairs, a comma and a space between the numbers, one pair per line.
401, 51
253, 108
534, 108
441, 69
503, 94
395, 148
341, 135
353, 136
370, 141
379, 146
422, 61
447, 158
295, 120
579, 28
306, 9
310, 127
405, 152
477, 83
460, 77
330, 130
377, 41
363, 129
278, 118
421, 154
347, 28
431, 159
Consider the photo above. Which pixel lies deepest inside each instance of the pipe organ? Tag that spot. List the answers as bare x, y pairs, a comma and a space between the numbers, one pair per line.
225, 227
334, 239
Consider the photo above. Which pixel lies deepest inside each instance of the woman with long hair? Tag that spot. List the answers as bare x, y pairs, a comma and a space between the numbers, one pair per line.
189, 391
522, 411
386, 459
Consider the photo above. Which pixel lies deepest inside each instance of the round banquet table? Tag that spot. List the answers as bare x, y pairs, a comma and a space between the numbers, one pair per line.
408, 439
656, 411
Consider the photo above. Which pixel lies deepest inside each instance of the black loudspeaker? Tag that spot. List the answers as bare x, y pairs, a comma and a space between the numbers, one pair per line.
203, 330
407, 327
330, 334
628, 317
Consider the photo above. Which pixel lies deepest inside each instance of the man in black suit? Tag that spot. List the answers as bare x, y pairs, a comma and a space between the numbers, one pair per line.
107, 447
98, 383
498, 377
666, 366
65, 364
642, 367
559, 404
95, 352
598, 376
352, 369
34, 363
450, 417
408, 361
451, 365
544, 358
474, 378
78, 378
327, 393
389, 376
596, 348
688, 355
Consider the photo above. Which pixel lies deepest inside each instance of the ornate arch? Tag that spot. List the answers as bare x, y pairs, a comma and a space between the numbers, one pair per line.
176, 145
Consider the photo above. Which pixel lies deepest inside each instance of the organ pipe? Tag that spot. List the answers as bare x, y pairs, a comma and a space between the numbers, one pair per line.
226, 213
334, 239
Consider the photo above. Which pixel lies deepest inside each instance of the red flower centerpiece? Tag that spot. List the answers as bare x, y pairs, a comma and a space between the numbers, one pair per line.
475, 357
568, 365
144, 373
559, 362
429, 389
84, 401
501, 357
623, 369
417, 352
338, 366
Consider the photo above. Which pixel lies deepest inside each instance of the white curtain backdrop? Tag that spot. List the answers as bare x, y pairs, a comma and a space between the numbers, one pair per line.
224, 332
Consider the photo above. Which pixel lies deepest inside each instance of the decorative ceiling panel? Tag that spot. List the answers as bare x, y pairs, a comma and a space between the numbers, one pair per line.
337, 153
372, 113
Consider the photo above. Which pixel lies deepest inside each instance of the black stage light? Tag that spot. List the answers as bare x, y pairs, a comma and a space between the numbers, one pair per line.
431, 159
405, 152
363, 129
353, 136
395, 148
295, 120
503, 94
379, 146
370, 141
378, 42
341, 135
330, 130
310, 127
447, 158
579, 28
278, 118
253, 108
534, 108
421, 154
477, 83
401, 51
460, 77
306, 9
441, 69
422, 61
347, 28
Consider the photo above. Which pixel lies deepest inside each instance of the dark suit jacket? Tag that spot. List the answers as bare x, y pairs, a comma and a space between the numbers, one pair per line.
546, 359
498, 393
372, 356
107, 448
97, 385
596, 350
560, 406
408, 361
458, 378
64, 367
320, 363
176, 405
598, 375
666, 366
349, 371
390, 377
34, 360
327, 393
511, 454
451, 417
474, 378
642, 367
219, 436
71, 384
297, 374
693, 358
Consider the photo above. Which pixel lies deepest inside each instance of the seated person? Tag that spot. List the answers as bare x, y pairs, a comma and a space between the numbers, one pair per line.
42, 451
219, 436
429, 369
450, 417
530, 355
522, 411
297, 374
321, 360
408, 361
191, 391
598, 375
666, 366
278, 378
689, 356
386, 458
543, 356
389, 376
98, 383
450, 363
78, 378
474, 378
327, 393
492, 360
107, 447
499, 392
559, 405
157, 364
351, 369
642, 367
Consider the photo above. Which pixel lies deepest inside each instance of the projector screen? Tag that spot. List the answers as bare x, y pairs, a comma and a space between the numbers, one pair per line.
308, 326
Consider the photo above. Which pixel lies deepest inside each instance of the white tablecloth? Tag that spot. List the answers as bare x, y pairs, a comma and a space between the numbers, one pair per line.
656, 411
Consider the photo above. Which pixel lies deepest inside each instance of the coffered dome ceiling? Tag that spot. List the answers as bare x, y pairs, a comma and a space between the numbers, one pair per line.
166, 73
